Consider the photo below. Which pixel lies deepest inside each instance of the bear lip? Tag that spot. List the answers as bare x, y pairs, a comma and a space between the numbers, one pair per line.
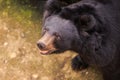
46, 52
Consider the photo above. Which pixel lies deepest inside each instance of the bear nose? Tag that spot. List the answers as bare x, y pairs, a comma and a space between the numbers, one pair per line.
41, 45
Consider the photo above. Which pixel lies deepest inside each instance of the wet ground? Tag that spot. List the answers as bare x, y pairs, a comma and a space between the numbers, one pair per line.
19, 57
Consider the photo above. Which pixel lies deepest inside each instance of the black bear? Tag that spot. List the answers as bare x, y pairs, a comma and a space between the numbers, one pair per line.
89, 27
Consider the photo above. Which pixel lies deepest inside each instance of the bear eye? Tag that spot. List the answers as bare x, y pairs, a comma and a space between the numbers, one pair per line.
58, 37
45, 29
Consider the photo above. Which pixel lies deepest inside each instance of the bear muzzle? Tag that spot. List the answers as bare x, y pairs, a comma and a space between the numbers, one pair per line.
46, 44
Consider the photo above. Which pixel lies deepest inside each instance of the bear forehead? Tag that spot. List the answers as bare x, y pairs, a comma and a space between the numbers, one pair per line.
56, 20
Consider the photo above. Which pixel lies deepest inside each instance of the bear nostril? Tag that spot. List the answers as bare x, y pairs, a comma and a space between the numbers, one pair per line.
41, 45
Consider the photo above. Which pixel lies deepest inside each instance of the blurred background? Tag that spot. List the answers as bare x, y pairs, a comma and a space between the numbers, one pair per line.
20, 27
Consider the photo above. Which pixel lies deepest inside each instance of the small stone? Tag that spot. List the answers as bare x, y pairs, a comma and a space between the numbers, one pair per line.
22, 35
45, 78
5, 61
35, 76
13, 55
5, 28
5, 44
24, 78
86, 73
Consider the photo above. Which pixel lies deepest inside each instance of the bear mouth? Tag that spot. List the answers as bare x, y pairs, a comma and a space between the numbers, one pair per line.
47, 51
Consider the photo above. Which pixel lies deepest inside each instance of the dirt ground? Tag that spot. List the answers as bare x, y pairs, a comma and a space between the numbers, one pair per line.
19, 56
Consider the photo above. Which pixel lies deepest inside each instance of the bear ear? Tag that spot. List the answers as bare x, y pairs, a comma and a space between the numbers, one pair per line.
87, 21
66, 13
52, 5
84, 16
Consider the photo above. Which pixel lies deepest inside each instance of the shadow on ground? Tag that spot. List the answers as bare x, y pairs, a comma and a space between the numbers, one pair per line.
19, 56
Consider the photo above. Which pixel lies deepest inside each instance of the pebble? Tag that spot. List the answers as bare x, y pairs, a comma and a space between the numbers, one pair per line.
22, 35
35, 76
5, 44
24, 79
5, 61
86, 73
44, 78
5, 28
13, 55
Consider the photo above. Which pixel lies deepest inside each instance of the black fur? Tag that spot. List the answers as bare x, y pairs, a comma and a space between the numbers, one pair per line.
78, 64
89, 27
